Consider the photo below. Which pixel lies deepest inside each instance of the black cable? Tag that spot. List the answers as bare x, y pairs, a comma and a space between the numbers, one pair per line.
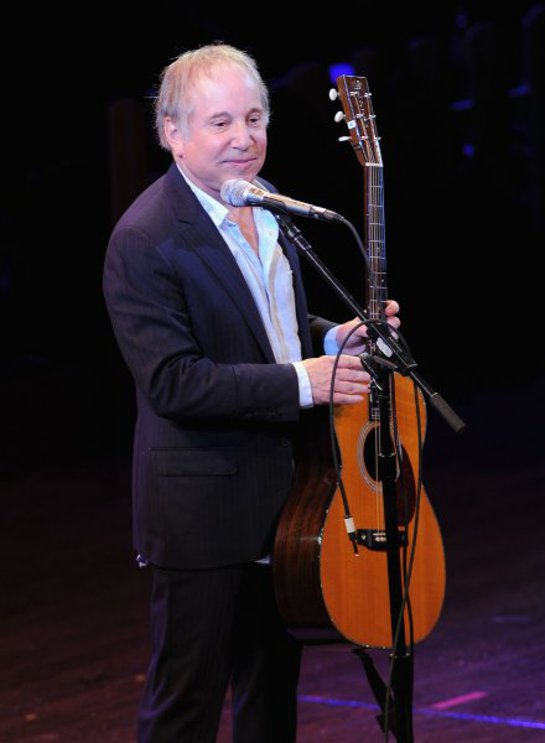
352, 535
405, 602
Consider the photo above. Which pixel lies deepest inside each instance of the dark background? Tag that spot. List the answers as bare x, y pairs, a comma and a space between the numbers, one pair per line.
458, 90
459, 97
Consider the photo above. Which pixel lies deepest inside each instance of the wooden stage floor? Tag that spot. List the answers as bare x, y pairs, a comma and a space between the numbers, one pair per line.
73, 622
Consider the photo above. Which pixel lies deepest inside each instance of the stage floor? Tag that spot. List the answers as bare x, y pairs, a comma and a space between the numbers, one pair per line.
74, 610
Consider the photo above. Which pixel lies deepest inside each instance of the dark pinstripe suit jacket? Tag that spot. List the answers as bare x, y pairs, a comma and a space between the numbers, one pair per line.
213, 449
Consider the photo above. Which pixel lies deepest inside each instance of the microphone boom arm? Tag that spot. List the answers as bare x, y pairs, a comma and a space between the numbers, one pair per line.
380, 333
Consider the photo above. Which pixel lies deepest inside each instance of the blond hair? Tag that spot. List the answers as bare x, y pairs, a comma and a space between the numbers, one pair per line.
179, 76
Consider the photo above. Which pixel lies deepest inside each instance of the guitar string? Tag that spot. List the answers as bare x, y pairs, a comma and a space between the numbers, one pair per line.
375, 290
369, 147
379, 220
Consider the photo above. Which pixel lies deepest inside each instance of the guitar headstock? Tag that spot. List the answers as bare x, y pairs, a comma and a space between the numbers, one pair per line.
355, 97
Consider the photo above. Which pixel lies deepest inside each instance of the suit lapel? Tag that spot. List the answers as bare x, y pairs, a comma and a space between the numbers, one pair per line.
201, 235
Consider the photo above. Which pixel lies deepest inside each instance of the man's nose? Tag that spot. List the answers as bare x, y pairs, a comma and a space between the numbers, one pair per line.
241, 135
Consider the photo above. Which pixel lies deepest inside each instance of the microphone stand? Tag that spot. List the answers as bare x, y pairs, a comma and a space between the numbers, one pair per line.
396, 707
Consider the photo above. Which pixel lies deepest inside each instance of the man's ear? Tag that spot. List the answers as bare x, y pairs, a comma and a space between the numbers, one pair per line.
173, 135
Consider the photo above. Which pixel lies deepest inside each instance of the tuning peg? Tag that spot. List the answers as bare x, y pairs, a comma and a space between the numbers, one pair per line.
344, 139
339, 116
333, 94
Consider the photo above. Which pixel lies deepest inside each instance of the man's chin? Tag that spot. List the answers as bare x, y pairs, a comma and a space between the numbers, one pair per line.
247, 173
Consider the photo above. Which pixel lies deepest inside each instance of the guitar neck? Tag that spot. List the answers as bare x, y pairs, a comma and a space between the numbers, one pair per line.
360, 119
377, 290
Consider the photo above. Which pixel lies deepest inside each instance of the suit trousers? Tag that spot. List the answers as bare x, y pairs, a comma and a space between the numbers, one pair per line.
209, 628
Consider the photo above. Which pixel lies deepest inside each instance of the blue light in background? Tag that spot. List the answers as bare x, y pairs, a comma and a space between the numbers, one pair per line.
340, 68
464, 105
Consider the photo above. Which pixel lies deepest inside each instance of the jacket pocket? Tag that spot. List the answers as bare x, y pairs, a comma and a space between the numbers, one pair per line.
189, 461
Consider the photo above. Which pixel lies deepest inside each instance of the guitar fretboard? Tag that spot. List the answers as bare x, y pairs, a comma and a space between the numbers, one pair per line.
377, 291
376, 242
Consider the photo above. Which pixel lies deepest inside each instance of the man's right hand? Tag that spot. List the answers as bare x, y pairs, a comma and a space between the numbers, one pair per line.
351, 381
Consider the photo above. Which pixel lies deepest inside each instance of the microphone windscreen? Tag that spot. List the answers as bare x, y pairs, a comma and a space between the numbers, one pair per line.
234, 191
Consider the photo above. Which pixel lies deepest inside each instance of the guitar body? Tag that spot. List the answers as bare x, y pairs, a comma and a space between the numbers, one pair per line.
324, 590
355, 588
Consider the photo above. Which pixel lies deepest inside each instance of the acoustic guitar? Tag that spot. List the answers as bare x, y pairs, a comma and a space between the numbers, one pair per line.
325, 591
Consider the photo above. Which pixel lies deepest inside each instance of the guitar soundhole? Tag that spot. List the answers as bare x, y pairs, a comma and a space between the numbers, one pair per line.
405, 484
367, 453
370, 456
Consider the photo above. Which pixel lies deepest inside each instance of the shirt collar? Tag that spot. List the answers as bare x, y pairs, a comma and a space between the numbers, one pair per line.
214, 208
218, 213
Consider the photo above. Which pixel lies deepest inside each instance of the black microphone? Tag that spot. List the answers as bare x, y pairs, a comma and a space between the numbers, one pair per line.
238, 192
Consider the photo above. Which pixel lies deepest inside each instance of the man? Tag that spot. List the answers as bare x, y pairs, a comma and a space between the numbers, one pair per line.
210, 315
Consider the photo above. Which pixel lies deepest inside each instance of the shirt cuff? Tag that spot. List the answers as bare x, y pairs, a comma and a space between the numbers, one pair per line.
331, 347
305, 390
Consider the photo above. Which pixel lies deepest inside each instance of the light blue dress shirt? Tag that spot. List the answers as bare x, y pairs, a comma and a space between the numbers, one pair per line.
269, 278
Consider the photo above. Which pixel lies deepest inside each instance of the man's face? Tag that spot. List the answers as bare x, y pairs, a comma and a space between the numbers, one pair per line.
226, 134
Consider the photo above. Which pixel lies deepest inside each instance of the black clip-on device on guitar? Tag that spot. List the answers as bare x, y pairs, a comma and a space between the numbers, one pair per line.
396, 708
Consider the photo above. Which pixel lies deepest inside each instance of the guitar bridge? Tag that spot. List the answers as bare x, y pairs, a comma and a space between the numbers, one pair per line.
375, 539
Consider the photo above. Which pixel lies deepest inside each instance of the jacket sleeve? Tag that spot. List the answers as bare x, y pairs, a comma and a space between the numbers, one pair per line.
152, 322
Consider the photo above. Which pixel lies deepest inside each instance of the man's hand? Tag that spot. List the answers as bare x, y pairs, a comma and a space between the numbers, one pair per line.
351, 381
356, 344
